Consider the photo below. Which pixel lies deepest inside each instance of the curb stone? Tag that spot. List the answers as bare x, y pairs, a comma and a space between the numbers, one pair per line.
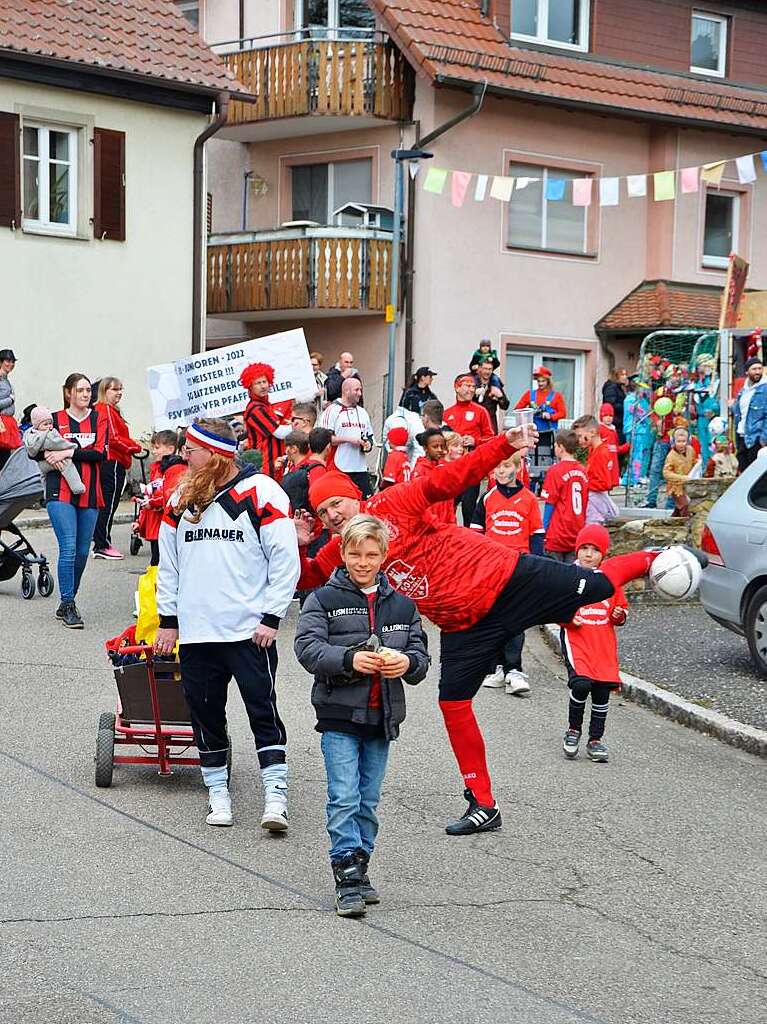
43, 522
671, 705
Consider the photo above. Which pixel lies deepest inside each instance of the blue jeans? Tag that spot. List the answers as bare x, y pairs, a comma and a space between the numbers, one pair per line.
659, 452
355, 769
74, 529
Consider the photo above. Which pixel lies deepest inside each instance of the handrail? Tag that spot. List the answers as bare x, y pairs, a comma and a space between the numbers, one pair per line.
303, 35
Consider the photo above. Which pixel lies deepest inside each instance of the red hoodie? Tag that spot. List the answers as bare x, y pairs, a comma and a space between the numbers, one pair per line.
454, 575
599, 468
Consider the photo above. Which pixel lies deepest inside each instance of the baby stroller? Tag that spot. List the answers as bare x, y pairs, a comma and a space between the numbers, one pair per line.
21, 486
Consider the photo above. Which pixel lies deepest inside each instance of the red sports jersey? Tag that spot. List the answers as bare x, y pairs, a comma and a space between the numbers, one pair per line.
472, 419
454, 575
92, 436
397, 468
266, 426
566, 487
511, 520
599, 468
121, 446
443, 510
589, 644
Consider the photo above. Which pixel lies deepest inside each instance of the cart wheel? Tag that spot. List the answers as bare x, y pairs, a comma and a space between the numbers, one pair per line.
45, 583
105, 748
135, 544
27, 586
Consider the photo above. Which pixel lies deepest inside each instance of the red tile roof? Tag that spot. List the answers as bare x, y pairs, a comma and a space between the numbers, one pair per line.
146, 38
450, 40
655, 304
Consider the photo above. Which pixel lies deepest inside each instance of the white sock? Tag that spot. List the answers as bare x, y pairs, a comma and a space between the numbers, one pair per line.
275, 780
215, 778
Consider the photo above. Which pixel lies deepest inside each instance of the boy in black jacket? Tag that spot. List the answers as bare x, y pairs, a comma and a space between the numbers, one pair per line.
361, 639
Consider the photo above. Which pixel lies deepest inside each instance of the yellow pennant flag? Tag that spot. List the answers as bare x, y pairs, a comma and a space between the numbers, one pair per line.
502, 188
712, 173
665, 185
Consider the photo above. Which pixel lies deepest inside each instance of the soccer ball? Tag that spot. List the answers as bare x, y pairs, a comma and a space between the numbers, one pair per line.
675, 573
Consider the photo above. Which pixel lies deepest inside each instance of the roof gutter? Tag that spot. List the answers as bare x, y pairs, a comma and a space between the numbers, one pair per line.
420, 143
198, 277
601, 108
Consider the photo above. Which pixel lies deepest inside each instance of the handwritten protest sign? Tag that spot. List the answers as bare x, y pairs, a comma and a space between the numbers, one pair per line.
208, 384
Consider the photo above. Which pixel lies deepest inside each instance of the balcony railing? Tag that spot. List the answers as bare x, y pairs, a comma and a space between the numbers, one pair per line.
312, 268
348, 77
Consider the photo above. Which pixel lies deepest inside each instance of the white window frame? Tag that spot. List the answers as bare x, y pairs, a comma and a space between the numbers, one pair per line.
331, 166
543, 26
721, 68
42, 225
721, 262
334, 29
545, 173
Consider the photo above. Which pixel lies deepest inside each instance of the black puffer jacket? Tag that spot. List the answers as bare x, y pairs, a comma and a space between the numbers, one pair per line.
334, 624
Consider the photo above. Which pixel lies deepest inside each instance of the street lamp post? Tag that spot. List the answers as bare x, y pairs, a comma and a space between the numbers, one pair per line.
400, 157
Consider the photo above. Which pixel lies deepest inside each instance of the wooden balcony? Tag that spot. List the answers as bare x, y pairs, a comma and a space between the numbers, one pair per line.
361, 78
314, 271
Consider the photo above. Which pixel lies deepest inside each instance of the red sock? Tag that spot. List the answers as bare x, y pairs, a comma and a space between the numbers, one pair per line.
624, 568
469, 748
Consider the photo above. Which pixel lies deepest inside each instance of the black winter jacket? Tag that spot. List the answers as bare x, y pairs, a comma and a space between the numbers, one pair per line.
334, 625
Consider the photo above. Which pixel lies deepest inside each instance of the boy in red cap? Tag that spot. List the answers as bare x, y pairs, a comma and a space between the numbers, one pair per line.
397, 466
590, 651
477, 592
609, 434
266, 425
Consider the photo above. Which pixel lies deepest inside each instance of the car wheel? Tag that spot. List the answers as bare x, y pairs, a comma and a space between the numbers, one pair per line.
756, 630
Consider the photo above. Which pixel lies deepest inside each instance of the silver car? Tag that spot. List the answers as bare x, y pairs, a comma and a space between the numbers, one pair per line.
733, 589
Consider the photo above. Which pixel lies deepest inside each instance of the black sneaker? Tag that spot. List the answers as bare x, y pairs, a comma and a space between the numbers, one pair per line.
367, 892
348, 875
475, 818
71, 617
60, 610
597, 751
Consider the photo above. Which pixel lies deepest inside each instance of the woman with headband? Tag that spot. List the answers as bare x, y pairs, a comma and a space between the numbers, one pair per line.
228, 569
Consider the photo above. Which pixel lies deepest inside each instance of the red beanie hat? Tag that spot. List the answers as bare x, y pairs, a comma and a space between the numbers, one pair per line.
332, 484
593, 534
398, 436
606, 409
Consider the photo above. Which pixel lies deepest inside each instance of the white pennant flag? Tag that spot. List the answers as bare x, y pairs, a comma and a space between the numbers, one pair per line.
608, 191
480, 188
524, 182
413, 167
637, 185
746, 169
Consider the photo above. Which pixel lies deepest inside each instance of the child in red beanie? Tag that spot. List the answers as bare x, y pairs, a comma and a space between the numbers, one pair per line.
397, 466
609, 435
590, 651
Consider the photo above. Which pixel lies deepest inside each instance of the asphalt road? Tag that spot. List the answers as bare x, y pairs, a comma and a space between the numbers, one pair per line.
631, 892
680, 647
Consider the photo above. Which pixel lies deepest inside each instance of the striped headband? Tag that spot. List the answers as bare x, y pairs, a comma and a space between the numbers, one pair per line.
220, 445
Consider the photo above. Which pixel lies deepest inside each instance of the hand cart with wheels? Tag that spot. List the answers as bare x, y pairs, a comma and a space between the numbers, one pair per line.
152, 714
135, 541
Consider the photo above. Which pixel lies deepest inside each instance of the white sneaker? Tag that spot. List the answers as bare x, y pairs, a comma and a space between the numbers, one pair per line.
495, 679
516, 683
275, 816
220, 808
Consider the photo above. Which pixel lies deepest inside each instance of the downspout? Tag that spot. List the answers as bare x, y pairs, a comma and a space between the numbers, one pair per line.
421, 143
198, 278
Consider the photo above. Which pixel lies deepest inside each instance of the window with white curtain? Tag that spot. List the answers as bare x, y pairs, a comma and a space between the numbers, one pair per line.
708, 44
49, 179
536, 222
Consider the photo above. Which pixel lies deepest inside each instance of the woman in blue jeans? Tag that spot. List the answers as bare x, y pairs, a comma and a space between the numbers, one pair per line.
73, 516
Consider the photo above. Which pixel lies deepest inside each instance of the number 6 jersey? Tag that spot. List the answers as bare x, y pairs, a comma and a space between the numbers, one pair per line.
566, 487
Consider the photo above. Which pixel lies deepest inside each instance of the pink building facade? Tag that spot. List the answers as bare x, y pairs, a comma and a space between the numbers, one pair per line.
344, 82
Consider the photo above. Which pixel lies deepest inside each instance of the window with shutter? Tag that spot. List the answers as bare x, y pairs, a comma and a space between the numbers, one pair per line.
109, 184
10, 171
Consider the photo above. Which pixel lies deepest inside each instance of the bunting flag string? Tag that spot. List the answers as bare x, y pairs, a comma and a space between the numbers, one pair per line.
606, 191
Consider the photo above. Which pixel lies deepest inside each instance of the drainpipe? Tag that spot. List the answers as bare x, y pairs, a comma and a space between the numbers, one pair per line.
198, 278
421, 143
